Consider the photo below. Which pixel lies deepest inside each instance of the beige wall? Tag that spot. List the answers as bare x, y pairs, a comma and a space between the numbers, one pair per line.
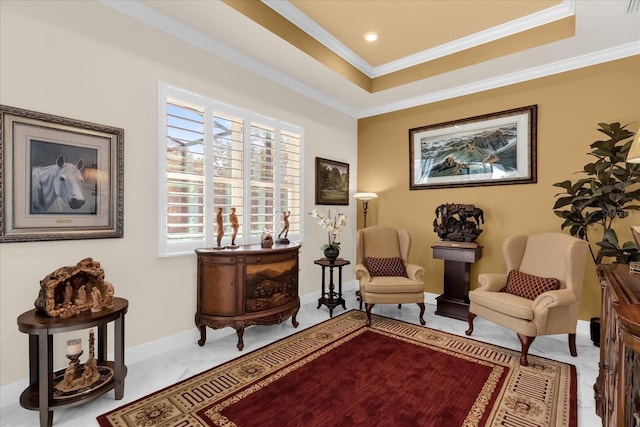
88, 62
570, 105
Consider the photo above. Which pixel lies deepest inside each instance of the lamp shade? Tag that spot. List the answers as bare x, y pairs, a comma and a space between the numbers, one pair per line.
365, 196
633, 156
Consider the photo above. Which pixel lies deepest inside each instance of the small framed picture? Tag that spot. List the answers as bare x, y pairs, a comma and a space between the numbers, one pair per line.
332, 182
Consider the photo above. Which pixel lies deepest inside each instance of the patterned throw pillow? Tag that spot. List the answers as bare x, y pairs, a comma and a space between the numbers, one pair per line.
529, 286
385, 266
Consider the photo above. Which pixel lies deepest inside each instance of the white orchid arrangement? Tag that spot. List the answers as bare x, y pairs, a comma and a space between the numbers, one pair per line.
333, 225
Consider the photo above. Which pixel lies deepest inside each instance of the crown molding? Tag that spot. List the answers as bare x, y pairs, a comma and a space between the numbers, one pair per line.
594, 58
152, 17
547, 16
309, 26
173, 27
302, 21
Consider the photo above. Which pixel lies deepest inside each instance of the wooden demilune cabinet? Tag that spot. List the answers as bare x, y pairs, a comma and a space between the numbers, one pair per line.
246, 286
617, 388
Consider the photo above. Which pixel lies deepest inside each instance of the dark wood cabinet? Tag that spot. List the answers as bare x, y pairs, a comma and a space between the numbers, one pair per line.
617, 388
246, 286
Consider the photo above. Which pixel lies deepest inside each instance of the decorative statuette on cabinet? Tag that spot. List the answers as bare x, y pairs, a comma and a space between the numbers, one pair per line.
282, 237
219, 230
233, 219
266, 240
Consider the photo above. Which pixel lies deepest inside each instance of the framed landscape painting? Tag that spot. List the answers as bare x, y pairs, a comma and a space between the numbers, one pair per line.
332, 182
61, 178
492, 149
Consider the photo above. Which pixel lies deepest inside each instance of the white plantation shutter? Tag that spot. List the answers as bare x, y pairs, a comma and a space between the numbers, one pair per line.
290, 175
228, 170
216, 156
184, 150
262, 183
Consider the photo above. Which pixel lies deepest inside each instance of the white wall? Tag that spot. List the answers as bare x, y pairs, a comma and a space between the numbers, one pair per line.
88, 62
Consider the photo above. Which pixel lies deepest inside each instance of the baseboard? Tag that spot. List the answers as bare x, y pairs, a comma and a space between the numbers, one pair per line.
10, 393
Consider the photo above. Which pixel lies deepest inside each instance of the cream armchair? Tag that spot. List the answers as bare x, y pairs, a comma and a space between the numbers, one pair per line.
520, 302
382, 269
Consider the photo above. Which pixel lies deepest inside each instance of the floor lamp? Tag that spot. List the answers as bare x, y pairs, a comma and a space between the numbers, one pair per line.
365, 197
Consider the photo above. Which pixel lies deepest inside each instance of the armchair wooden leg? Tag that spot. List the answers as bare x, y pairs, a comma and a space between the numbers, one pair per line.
421, 305
572, 345
399, 306
470, 318
526, 342
369, 307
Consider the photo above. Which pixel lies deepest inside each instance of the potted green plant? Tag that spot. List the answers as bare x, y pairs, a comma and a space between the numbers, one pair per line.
606, 193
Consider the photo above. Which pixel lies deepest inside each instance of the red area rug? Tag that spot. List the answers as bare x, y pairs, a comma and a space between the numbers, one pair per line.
342, 373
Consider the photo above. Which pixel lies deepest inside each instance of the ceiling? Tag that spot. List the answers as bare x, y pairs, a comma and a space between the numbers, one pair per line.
408, 27
427, 51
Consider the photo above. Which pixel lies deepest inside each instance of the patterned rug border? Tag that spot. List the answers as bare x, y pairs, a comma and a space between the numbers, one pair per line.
449, 343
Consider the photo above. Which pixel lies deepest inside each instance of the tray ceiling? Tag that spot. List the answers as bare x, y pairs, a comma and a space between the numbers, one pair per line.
427, 50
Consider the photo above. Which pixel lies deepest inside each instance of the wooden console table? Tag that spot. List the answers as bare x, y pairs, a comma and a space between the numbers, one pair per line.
41, 328
617, 388
246, 286
454, 302
331, 299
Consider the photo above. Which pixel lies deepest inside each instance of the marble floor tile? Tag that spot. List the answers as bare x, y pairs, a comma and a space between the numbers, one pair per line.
174, 364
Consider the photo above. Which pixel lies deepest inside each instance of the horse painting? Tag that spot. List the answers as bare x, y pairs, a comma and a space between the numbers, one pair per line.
57, 187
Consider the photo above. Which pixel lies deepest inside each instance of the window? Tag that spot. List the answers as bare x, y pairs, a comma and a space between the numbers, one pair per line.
216, 156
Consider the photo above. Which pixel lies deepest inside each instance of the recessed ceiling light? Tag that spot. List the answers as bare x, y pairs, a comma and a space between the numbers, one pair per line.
371, 36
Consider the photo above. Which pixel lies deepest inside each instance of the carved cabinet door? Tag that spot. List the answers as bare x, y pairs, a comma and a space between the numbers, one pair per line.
270, 281
218, 286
